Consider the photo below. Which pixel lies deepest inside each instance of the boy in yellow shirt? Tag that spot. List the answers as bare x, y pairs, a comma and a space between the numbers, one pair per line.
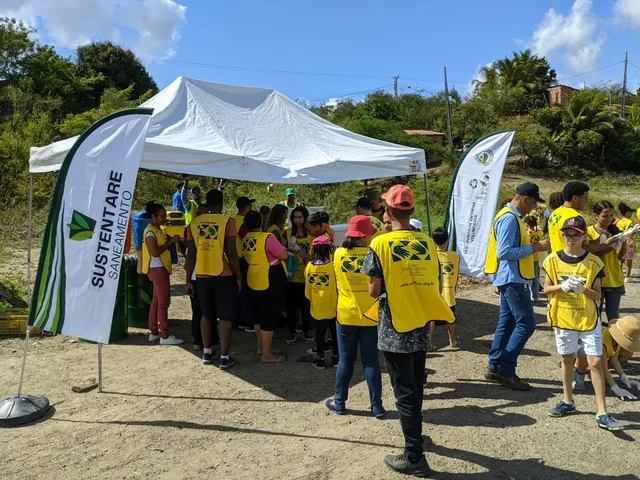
449, 271
572, 285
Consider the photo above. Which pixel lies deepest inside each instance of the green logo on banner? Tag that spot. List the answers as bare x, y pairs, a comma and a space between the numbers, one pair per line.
81, 227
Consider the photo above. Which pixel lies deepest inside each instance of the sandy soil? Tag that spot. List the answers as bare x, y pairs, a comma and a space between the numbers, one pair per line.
166, 416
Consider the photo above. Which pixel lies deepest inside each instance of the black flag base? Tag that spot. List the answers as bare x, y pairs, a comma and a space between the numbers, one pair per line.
18, 410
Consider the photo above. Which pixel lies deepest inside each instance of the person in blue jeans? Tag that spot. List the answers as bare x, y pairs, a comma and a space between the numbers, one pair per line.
510, 263
353, 326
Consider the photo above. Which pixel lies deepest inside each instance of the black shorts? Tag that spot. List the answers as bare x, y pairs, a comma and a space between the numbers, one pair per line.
267, 304
442, 322
218, 297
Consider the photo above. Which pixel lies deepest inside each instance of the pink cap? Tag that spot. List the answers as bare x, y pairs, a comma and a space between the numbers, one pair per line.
321, 240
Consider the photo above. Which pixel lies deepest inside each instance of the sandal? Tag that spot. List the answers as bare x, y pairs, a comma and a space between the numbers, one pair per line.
275, 351
280, 359
331, 405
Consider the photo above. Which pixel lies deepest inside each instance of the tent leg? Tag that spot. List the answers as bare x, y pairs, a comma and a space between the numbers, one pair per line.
426, 196
24, 359
99, 368
29, 235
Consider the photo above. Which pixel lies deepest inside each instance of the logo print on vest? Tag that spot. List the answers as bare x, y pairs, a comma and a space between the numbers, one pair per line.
409, 250
352, 264
208, 231
249, 245
319, 280
447, 269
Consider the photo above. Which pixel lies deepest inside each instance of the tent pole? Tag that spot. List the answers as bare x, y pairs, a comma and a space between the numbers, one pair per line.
29, 234
24, 359
426, 197
99, 368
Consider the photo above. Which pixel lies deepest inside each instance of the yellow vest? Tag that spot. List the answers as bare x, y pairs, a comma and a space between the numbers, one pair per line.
538, 214
623, 224
353, 287
449, 270
190, 210
608, 342
536, 236
255, 253
379, 213
377, 224
556, 221
572, 311
525, 265
277, 231
321, 290
305, 244
410, 273
161, 238
208, 232
239, 220
612, 269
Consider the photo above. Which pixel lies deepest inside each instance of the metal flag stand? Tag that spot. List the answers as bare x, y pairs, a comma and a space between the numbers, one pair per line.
20, 409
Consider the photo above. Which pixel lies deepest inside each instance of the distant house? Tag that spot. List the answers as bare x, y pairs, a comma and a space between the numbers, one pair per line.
435, 137
559, 95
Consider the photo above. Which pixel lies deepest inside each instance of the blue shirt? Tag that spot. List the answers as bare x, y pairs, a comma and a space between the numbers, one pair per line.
177, 202
509, 251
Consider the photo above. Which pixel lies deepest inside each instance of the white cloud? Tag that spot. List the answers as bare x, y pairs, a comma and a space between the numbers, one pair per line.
477, 77
151, 28
628, 11
573, 35
332, 102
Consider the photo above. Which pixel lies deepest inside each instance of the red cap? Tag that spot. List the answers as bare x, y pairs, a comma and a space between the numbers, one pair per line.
321, 240
360, 226
400, 197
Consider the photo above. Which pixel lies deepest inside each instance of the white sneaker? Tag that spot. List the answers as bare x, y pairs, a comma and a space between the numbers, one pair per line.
153, 338
171, 340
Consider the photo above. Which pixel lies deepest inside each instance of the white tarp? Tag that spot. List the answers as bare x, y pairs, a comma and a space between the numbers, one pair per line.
250, 134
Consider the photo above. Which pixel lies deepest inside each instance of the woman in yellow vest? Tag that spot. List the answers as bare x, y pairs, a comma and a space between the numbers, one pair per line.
321, 290
612, 285
624, 224
353, 327
299, 243
156, 263
276, 223
266, 281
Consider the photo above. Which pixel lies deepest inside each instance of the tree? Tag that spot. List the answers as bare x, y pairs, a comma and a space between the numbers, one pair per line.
15, 44
119, 69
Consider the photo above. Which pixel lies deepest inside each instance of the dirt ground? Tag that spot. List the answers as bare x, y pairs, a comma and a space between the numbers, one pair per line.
164, 415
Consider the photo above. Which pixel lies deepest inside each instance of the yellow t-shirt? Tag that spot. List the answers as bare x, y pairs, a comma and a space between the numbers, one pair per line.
556, 221
321, 290
449, 270
612, 269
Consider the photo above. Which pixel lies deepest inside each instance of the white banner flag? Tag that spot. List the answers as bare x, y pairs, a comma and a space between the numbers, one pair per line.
83, 244
473, 198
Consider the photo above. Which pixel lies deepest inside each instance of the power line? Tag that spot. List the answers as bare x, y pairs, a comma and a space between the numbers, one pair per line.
590, 71
362, 92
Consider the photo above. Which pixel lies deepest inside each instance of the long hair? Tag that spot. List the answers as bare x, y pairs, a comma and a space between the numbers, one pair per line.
278, 216
321, 253
305, 215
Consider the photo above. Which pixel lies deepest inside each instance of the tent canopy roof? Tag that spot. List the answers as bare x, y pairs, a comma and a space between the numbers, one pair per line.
251, 134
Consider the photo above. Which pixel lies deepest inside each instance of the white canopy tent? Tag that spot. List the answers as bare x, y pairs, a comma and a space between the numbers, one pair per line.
250, 134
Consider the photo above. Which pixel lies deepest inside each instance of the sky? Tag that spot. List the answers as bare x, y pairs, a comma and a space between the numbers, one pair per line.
321, 52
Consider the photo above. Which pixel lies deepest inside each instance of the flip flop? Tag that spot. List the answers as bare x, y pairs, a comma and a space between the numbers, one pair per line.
281, 359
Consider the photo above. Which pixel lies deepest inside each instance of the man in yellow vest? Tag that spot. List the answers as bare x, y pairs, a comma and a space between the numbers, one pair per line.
405, 277
363, 207
211, 247
510, 266
290, 202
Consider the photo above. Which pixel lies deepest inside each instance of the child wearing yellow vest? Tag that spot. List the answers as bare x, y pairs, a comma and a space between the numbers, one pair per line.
449, 271
572, 285
613, 281
156, 263
617, 338
624, 224
535, 235
353, 326
321, 290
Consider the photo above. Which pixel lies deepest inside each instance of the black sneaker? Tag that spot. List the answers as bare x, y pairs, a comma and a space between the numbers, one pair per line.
318, 363
290, 340
401, 464
314, 350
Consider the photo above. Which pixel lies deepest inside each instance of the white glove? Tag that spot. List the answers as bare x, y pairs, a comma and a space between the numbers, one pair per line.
627, 382
566, 286
622, 394
633, 230
576, 284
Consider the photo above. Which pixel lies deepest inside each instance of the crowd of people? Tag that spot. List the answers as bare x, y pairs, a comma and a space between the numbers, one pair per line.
388, 281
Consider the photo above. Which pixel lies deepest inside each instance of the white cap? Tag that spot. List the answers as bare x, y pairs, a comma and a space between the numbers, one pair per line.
415, 223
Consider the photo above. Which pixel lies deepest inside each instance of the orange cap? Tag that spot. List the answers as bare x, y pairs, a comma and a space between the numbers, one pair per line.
400, 197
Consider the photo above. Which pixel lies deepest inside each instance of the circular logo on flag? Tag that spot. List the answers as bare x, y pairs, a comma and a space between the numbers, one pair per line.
473, 183
484, 158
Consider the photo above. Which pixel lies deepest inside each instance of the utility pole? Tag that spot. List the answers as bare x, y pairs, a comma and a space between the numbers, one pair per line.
446, 94
395, 85
624, 83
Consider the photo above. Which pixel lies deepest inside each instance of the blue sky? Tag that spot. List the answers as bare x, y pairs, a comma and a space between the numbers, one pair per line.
362, 44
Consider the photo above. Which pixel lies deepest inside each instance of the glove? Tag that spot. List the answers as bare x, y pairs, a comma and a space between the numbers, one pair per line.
622, 394
635, 229
576, 283
566, 286
627, 382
